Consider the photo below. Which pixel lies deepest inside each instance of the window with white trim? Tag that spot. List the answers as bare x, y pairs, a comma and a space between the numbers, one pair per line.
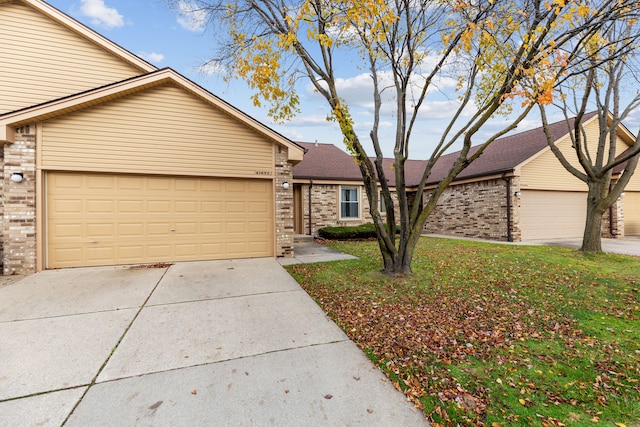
349, 202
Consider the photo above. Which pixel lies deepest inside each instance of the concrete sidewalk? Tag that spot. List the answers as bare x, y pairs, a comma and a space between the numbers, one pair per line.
205, 343
310, 252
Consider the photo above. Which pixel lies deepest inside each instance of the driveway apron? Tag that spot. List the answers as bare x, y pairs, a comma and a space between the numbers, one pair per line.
233, 342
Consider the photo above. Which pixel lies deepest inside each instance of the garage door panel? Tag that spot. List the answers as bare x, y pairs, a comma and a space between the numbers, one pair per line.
158, 228
101, 229
552, 214
187, 228
186, 250
67, 255
213, 250
99, 254
157, 207
73, 206
131, 253
631, 203
61, 231
212, 186
128, 185
98, 219
235, 187
131, 230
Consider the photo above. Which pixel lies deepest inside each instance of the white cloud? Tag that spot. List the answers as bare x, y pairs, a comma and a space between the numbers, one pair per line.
191, 17
292, 134
309, 120
152, 56
212, 68
101, 14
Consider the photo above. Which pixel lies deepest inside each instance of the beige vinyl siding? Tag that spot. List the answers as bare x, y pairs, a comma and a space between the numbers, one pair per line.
162, 130
43, 60
631, 205
552, 214
107, 219
634, 183
545, 172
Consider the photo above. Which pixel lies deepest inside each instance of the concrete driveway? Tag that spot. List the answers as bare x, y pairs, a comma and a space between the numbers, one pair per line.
235, 343
629, 245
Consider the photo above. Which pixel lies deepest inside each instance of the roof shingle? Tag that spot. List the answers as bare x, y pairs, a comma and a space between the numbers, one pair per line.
328, 162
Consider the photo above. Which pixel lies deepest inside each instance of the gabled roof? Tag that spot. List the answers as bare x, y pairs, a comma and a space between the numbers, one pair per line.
328, 162
504, 154
79, 101
87, 33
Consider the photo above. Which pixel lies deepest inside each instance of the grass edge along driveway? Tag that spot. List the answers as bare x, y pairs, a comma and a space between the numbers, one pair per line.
496, 335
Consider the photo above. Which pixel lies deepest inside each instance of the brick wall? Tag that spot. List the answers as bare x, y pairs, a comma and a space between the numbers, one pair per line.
618, 221
325, 207
476, 209
19, 220
1, 207
284, 204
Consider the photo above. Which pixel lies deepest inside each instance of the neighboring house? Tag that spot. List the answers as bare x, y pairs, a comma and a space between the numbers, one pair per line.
516, 190
108, 160
328, 190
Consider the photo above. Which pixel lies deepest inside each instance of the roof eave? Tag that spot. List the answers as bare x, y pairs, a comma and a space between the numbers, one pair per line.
117, 90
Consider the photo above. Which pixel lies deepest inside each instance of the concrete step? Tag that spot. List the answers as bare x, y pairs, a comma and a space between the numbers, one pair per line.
299, 238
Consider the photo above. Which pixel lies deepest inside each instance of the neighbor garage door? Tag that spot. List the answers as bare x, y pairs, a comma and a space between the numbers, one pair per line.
552, 214
631, 205
102, 219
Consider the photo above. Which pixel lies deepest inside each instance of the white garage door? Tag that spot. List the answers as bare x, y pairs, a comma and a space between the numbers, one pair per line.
631, 203
552, 214
103, 219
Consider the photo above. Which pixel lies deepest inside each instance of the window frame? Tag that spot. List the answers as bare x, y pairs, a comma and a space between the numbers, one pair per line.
358, 202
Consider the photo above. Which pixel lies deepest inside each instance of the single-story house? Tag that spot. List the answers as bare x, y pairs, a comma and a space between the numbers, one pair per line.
516, 190
109, 160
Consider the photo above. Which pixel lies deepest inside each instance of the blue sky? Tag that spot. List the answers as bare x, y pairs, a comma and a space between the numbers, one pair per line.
165, 38
151, 30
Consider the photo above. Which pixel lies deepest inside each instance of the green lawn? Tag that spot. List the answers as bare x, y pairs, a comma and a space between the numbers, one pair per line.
496, 335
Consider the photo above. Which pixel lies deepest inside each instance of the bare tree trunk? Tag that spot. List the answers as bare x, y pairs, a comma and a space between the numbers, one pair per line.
591, 239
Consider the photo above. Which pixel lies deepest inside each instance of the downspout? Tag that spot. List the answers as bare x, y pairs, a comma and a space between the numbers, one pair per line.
508, 181
310, 225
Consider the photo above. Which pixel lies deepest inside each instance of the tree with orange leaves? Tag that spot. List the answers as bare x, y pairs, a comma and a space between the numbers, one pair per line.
497, 50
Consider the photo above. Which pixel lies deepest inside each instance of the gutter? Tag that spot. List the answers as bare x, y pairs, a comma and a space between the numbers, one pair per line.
310, 215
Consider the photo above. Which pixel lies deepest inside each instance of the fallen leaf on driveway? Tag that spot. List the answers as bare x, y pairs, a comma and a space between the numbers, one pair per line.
328, 396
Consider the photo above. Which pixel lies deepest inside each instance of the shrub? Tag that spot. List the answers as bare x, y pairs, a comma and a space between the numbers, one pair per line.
363, 231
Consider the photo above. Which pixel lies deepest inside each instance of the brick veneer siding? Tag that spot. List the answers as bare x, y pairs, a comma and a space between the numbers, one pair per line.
19, 220
284, 204
1, 207
325, 207
476, 209
618, 221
